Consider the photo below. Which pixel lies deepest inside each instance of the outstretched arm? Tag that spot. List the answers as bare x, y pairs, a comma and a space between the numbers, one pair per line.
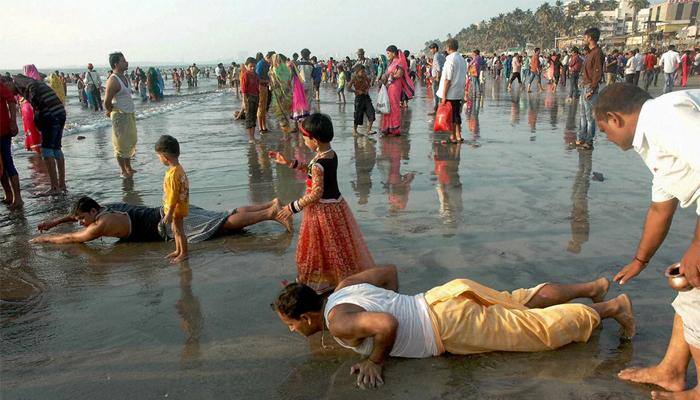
47, 225
91, 232
384, 276
382, 327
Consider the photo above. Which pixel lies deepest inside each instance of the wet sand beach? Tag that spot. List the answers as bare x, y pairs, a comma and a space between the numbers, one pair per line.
510, 208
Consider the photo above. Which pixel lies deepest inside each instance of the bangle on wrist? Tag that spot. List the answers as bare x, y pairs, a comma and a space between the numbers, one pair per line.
644, 263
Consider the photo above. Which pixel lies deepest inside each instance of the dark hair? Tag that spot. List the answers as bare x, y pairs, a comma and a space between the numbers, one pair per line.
258, 56
114, 58
167, 144
406, 53
297, 299
537, 49
593, 33
270, 54
319, 126
433, 46
575, 50
305, 53
85, 204
621, 98
671, 46
393, 49
452, 44
295, 55
250, 60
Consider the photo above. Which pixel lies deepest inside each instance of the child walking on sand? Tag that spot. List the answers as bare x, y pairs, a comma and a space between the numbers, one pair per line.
176, 194
360, 83
331, 246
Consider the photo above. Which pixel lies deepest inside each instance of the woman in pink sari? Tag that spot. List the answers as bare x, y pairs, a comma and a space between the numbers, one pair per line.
32, 139
686, 64
396, 84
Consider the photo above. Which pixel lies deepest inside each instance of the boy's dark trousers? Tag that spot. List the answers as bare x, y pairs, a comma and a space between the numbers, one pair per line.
363, 106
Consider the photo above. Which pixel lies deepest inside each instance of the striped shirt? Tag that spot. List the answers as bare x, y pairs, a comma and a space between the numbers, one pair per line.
42, 98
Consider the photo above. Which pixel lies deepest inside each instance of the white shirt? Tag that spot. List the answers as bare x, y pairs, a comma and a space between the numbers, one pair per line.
630, 67
668, 140
565, 60
638, 62
455, 69
670, 61
415, 336
92, 77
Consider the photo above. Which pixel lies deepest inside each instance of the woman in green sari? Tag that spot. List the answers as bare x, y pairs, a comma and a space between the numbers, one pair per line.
281, 88
383, 65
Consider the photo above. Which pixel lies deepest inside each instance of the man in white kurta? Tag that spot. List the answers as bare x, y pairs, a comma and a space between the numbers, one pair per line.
666, 133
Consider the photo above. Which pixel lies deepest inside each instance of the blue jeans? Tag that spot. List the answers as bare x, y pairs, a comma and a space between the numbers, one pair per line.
573, 85
668, 87
534, 75
587, 131
435, 96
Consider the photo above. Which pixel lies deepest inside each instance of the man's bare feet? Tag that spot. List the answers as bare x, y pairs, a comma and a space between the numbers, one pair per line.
287, 223
657, 375
625, 316
180, 258
173, 254
601, 289
692, 394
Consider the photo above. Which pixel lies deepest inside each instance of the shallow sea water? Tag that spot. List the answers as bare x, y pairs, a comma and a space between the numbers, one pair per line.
510, 208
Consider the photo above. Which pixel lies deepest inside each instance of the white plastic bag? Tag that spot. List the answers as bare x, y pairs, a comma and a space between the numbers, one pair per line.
383, 101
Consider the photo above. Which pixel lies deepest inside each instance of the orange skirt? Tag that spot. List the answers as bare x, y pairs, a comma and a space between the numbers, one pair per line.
331, 246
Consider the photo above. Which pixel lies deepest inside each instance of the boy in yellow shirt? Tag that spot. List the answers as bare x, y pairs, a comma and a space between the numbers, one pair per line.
176, 194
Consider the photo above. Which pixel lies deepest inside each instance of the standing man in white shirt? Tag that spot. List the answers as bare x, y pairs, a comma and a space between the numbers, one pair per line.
435, 72
119, 107
664, 131
564, 68
670, 61
93, 84
452, 84
638, 65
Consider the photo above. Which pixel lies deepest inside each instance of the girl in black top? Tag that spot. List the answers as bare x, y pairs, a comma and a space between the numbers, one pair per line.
331, 246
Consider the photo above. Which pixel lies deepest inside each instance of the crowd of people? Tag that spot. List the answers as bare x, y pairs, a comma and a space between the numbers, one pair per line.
339, 286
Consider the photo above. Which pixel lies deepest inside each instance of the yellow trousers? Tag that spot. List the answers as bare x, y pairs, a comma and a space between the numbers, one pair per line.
123, 134
470, 318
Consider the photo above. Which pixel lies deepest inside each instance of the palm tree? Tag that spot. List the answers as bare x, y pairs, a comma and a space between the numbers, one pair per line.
636, 6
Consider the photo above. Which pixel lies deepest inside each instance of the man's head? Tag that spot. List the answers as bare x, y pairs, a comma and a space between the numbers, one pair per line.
575, 50
617, 111
537, 50
433, 48
305, 53
591, 36
300, 308
451, 45
86, 210
268, 56
295, 56
361, 53
90, 66
672, 47
118, 62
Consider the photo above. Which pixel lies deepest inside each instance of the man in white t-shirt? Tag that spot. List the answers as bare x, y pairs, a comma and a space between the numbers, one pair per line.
670, 61
452, 84
664, 131
638, 65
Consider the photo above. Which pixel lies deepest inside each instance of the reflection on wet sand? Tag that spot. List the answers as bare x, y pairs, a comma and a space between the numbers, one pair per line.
449, 186
580, 227
191, 318
365, 159
397, 184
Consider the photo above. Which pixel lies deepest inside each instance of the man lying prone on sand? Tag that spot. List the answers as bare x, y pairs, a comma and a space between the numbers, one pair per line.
367, 315
132, 223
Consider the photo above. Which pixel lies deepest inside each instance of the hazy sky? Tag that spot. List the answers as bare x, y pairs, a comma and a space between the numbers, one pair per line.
55, 33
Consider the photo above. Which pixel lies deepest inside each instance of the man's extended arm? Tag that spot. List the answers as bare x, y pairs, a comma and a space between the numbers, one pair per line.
91, 232
47, 225
658, 222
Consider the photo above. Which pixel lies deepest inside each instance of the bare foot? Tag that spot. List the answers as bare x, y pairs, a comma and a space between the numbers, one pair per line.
173, 254
180, 258
657, 375
692, 394
601, 289
625, 316
17, 205
287, 223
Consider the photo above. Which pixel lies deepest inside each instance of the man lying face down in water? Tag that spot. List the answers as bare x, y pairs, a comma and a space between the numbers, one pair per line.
132, 223
367, 315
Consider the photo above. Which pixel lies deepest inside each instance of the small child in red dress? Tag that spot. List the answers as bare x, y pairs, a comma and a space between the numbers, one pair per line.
331, 246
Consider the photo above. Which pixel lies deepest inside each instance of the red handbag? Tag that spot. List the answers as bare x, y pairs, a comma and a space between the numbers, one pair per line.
443, 118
